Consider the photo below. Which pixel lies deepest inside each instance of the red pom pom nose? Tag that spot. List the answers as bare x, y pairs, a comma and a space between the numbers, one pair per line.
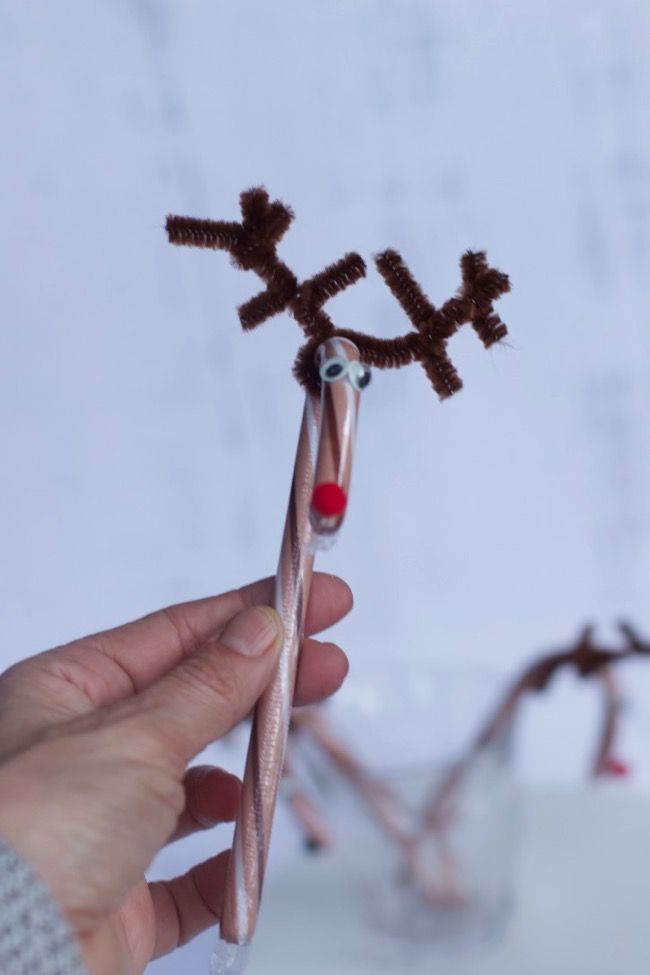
329, 499
614, 766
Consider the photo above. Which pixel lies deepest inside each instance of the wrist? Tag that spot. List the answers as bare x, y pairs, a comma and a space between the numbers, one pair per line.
21, 807
13, 820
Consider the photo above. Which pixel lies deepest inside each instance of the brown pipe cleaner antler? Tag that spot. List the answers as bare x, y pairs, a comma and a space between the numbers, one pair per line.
585, 658
252, 245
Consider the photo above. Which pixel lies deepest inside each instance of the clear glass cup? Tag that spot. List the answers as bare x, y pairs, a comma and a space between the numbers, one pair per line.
425, 829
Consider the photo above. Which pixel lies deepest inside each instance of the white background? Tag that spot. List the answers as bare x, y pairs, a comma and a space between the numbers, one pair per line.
147, 444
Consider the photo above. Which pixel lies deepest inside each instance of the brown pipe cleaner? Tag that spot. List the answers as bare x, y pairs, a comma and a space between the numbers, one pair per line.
585, 658
252, 245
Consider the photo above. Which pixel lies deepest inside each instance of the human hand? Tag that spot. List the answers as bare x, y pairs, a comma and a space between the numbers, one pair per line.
95, 738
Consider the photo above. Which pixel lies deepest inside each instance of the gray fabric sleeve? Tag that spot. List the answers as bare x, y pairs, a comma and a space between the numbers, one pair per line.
34, 938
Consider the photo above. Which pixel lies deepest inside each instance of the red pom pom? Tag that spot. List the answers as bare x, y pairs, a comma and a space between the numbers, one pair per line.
614, 766
329, 500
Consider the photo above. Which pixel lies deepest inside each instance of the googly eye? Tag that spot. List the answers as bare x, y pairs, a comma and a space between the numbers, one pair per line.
333, 369
359, 375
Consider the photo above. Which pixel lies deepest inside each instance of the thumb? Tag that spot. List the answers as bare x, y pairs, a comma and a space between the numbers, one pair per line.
215, 687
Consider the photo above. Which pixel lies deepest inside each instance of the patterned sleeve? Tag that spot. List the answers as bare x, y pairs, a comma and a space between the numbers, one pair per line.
34, 937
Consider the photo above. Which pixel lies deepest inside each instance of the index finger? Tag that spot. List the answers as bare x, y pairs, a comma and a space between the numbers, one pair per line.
150, 647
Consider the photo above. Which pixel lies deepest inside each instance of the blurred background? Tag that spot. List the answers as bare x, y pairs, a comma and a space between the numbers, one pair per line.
148, 443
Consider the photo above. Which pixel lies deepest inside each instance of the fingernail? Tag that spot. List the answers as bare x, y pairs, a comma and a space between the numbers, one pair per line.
253, 632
